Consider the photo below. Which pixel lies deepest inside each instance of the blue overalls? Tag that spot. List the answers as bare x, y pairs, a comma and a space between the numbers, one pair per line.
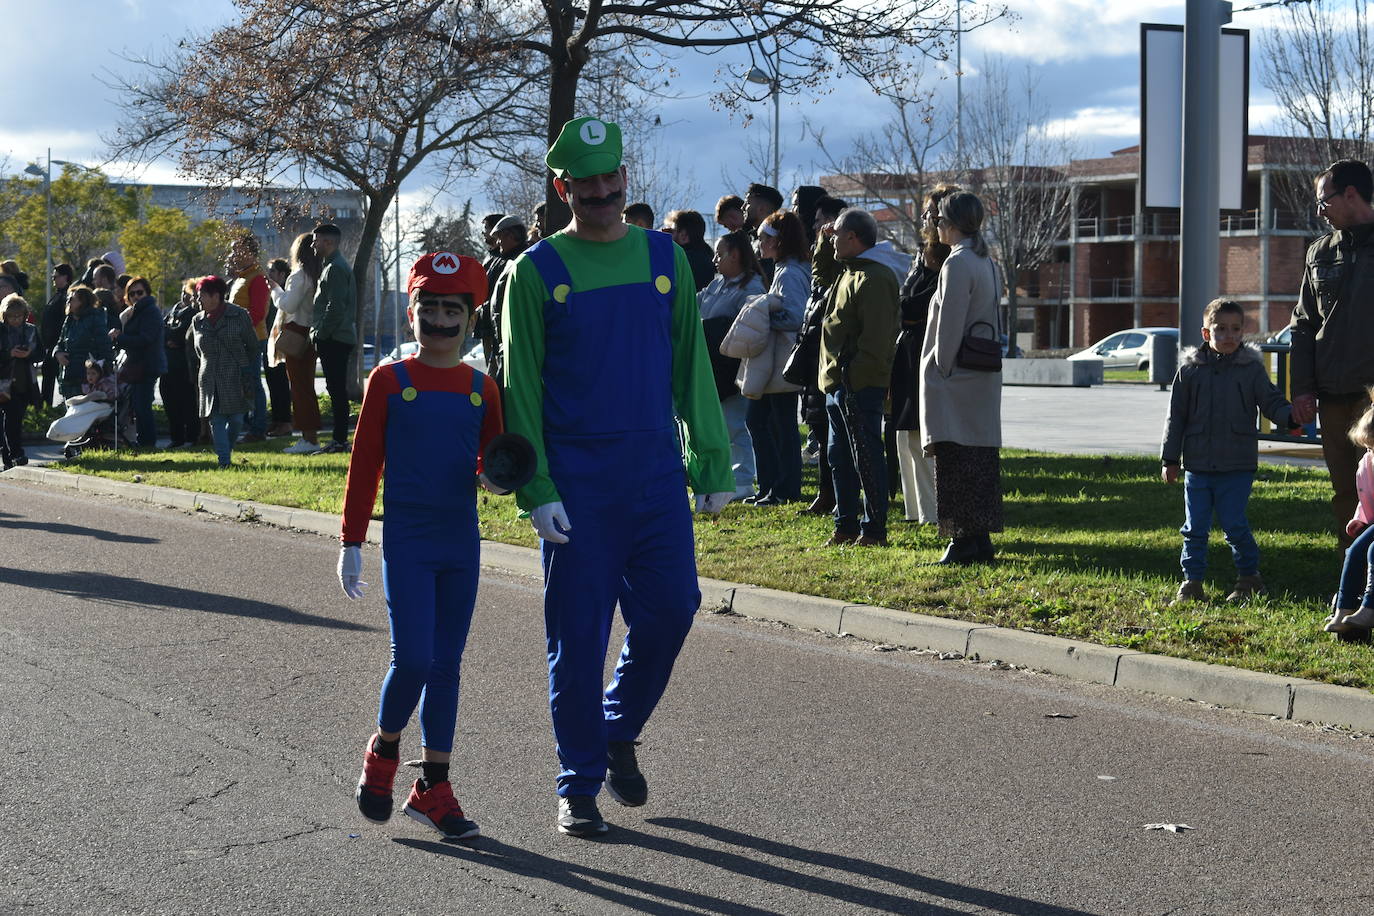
611, 443
430, 551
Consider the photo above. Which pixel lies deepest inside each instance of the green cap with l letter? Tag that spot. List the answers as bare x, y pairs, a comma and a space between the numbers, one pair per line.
585, 147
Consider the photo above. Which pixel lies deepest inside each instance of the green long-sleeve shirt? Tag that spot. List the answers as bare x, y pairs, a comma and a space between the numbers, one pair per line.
593, 266
336, 303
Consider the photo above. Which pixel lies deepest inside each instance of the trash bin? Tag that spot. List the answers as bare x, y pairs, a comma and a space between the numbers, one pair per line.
1163, 359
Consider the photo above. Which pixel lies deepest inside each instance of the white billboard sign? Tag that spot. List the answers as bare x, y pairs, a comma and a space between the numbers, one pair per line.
1161, 114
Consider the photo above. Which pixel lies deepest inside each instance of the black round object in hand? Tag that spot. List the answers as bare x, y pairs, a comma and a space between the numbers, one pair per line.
509, 461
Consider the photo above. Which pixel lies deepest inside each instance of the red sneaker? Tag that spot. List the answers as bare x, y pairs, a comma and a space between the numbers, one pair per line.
440, 810
374, 786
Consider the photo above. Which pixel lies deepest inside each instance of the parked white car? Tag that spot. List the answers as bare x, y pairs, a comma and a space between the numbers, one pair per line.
1129, 349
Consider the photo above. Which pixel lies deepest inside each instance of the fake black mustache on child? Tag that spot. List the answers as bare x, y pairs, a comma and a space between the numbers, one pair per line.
433, 330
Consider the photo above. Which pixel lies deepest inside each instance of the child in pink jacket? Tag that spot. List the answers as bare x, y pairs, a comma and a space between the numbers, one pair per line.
1354, 607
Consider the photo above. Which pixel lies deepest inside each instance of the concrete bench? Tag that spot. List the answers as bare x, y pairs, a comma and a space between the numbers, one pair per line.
1077, 373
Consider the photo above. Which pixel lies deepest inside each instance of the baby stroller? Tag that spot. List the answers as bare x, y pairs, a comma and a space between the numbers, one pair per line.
91, 424
84, 426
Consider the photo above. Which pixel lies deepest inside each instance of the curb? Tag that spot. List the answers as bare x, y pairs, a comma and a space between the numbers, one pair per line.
1288, 698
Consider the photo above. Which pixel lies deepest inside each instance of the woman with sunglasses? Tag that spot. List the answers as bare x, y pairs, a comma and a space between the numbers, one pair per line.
145, 360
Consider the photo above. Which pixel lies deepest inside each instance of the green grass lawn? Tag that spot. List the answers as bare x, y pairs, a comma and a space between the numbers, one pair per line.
1090, 552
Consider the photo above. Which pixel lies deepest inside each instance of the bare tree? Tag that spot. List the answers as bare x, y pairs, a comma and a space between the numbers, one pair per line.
802, 43
894, 166
361, 93
1018, 169
1320, 68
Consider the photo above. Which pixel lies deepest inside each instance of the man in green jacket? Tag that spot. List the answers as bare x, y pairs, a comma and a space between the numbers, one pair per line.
332, 329
858, 340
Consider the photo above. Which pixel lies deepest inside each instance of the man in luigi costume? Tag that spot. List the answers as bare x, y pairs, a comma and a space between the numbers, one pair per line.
604, 356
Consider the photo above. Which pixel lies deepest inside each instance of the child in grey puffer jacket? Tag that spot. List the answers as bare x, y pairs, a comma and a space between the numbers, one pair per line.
1211, 432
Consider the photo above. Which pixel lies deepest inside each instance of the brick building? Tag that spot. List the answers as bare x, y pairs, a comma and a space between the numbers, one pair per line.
1118, 266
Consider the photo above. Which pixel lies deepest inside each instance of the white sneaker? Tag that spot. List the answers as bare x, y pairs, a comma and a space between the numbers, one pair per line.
301, 447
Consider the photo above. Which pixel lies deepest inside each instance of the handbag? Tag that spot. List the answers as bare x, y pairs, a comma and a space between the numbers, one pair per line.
980, 354
291, 342
804, 363
127, 371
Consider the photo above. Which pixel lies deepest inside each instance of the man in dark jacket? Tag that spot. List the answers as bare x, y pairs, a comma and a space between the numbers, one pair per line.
509, 237
50, 327
333, 327
1333, 325
689, 231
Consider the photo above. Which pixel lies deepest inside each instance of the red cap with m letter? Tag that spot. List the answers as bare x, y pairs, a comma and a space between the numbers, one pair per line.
444, 273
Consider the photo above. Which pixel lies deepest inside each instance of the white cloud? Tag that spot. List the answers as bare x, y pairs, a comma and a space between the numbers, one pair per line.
1096, 122
1067, 30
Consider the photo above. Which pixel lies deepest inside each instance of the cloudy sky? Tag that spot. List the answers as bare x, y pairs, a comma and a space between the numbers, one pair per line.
1084, 55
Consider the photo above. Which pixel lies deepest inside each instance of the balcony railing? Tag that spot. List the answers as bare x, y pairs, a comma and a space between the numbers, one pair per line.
1169, 224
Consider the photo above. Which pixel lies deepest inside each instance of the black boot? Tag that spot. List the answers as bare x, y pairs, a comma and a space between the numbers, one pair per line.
962, 551
986, 552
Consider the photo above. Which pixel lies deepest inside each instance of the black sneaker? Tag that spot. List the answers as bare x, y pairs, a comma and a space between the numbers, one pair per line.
578, 816
624, 782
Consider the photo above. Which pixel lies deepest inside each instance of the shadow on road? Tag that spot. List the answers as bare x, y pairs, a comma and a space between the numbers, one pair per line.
844, 888
639, 894
140, 593
98, 533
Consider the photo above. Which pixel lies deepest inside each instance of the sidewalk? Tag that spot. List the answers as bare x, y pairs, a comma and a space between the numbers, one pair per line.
1286, 698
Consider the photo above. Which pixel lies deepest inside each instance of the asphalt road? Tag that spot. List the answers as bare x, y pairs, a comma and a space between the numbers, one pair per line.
187, 699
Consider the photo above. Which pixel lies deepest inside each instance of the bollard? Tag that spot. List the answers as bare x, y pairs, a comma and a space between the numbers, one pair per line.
1163, 359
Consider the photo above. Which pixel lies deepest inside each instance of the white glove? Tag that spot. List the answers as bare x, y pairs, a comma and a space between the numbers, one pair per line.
712, 503
547, 519
351, 571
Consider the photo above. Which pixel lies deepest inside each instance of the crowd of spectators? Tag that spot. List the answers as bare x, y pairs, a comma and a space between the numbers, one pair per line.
104, 337
809, 315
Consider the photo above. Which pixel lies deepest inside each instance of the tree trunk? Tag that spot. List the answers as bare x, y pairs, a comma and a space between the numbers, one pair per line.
1009, 319
562, 109
363, 267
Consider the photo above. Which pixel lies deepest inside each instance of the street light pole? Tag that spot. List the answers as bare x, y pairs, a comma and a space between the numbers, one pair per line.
46, 175
759, 77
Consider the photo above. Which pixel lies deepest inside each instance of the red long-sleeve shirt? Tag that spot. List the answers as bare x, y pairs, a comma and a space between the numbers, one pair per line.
369, 440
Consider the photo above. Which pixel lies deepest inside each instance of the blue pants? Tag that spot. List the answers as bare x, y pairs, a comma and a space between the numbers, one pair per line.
736, 409
1226, 495
1357, 586
429, 577
772, 421
848, 479
631, 545
224, 432
141, 399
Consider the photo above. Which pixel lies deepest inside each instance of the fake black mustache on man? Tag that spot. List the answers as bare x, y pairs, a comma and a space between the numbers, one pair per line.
616, 197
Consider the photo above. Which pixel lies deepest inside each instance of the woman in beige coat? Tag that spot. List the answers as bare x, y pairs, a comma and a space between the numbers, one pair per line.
961, 409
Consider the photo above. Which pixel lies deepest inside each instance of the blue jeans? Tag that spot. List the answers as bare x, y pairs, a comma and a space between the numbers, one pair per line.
735, 407
1224, 494
1357, 588
772, 422
141, 399
257, 420
867, 427
224, 432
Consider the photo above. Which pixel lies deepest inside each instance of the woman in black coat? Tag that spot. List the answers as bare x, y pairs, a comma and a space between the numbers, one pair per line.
141, 340
918, 478
19, 353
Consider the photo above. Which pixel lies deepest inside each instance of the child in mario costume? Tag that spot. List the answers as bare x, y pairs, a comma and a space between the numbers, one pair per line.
425, 424
604, 354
